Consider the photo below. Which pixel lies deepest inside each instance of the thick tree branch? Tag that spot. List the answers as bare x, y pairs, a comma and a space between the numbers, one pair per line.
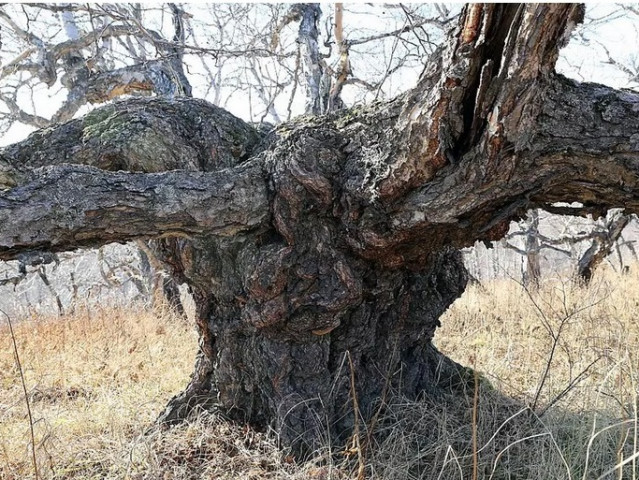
587, 146
48, 205
67, 207
149, 135
582, 145
489, 74
503, 132
533, 138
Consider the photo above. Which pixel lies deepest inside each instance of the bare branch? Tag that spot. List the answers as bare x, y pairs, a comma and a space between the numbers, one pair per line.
83, 206
405, 29
22, 116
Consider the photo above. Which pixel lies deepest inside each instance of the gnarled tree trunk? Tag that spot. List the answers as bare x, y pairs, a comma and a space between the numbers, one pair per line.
322, 254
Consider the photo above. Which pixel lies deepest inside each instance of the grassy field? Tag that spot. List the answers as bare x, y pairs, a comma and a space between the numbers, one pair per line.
555, 397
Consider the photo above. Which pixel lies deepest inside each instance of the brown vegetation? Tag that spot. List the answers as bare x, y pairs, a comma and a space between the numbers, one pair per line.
97, 380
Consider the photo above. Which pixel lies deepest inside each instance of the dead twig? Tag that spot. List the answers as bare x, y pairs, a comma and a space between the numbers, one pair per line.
26, 395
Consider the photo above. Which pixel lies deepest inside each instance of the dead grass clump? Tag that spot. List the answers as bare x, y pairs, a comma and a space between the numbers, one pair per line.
428, 441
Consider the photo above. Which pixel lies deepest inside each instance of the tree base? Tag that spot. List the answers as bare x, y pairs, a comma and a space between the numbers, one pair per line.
454, 385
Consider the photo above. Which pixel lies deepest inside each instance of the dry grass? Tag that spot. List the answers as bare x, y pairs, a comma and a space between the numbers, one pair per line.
508, 333
569, 352
97, 381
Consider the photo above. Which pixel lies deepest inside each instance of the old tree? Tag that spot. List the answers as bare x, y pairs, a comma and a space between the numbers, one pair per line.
322, 253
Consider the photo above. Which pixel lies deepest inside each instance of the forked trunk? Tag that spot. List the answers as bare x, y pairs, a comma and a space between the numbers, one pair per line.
322, 254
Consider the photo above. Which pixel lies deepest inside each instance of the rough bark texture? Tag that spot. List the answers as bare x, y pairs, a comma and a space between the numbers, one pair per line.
331, 241
602, 244
532, 249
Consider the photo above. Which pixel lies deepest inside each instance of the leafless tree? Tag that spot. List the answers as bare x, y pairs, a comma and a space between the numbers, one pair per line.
598, 237
92, 53
322, 253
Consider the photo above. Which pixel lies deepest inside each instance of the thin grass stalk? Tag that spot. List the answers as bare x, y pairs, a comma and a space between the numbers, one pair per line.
26, 395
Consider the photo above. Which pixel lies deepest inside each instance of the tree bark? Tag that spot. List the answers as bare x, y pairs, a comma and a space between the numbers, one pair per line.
602, 244
532, 249
332, 241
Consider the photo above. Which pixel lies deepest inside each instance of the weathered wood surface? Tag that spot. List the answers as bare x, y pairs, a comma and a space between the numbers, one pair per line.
73, 206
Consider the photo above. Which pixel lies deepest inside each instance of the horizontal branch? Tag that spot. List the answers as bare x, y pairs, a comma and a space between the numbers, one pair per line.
524, 253
441, 23
488, 133
577, 142
141, 134
586, 145
70, 206
582, 211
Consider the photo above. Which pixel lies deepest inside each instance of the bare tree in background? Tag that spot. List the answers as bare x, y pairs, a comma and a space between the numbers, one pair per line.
586, 243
